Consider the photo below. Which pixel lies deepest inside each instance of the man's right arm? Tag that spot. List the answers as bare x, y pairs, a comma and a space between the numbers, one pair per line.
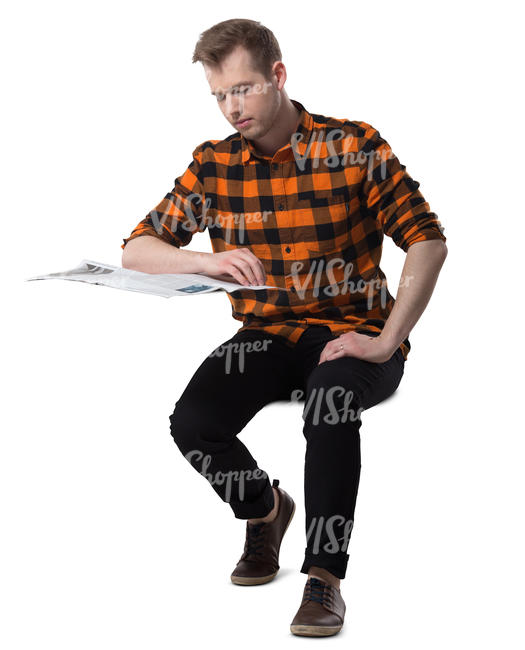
150, 254
154, 245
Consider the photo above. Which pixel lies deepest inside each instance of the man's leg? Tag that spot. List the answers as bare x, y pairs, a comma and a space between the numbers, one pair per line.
336, 393
231, 385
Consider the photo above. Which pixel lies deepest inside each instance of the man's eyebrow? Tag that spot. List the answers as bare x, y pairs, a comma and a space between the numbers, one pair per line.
241, 83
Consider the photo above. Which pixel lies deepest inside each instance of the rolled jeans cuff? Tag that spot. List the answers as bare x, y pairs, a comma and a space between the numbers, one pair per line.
335, 563
261, 507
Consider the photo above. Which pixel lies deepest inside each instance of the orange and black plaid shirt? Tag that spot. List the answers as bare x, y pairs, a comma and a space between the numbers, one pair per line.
314, 213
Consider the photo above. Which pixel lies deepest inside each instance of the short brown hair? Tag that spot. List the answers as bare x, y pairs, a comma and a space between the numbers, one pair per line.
218, 41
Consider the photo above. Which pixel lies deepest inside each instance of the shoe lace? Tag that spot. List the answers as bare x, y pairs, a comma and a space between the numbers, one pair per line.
315, 590
254, 540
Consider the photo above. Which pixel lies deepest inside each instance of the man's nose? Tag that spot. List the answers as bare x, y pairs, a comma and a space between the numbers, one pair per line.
234, 106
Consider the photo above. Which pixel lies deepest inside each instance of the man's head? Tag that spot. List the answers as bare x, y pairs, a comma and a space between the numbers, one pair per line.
242, 63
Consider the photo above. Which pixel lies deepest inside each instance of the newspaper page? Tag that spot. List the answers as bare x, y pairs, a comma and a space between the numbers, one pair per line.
158, 284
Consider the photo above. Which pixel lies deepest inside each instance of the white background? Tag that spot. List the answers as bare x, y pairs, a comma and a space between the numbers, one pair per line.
110, 539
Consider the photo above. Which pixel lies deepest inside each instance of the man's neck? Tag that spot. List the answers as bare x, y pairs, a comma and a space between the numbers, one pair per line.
286, 123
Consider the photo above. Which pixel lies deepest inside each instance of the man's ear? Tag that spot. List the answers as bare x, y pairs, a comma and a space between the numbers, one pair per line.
279, 73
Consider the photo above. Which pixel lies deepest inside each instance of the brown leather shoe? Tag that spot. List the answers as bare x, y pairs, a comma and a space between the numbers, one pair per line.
322, 610
259, 562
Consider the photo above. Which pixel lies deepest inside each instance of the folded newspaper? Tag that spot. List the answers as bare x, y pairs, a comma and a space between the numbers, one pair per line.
158, 284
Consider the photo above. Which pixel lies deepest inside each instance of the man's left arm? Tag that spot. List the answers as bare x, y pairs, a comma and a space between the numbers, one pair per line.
423, 263
392, 197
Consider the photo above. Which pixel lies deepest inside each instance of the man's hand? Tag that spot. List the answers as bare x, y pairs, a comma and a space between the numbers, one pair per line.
361, 346
239, 264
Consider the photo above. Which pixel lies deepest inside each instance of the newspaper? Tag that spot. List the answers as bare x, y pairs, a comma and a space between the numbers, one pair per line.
158, 284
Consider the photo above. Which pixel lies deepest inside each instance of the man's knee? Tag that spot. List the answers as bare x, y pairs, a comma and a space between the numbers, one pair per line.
330, 399
197, 425
182, 427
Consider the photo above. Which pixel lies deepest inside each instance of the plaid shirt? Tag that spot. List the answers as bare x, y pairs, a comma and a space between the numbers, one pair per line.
314, 213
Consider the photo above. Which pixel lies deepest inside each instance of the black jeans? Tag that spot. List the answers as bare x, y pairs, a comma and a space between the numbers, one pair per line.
254, 368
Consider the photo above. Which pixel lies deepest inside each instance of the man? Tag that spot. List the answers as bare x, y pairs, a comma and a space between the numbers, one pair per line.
299, 202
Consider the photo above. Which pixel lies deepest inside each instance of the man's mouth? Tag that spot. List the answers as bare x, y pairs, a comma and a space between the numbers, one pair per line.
243, 122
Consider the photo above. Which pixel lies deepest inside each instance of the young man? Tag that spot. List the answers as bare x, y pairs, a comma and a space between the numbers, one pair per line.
300, 202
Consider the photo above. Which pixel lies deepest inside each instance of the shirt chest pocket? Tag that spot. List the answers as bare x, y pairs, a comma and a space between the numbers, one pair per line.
324, 221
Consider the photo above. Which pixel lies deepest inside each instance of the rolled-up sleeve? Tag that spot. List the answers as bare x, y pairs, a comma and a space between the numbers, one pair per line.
179, 215
390, 195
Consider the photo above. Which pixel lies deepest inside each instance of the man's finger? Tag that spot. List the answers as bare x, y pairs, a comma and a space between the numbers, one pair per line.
256, 265
246, 270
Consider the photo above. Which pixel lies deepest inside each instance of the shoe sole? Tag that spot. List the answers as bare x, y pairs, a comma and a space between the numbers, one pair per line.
244, 580
314, 630
260, 580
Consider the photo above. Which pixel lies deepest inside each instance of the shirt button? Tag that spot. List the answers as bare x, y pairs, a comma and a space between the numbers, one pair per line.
281, 206
287, 249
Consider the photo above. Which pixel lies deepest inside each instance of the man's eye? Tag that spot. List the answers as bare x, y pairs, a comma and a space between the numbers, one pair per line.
219, 97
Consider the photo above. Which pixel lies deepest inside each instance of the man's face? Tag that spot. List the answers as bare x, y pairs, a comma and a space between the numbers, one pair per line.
241, 93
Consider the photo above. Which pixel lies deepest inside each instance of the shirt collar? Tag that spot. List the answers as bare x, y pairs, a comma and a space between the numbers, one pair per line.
304, 129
